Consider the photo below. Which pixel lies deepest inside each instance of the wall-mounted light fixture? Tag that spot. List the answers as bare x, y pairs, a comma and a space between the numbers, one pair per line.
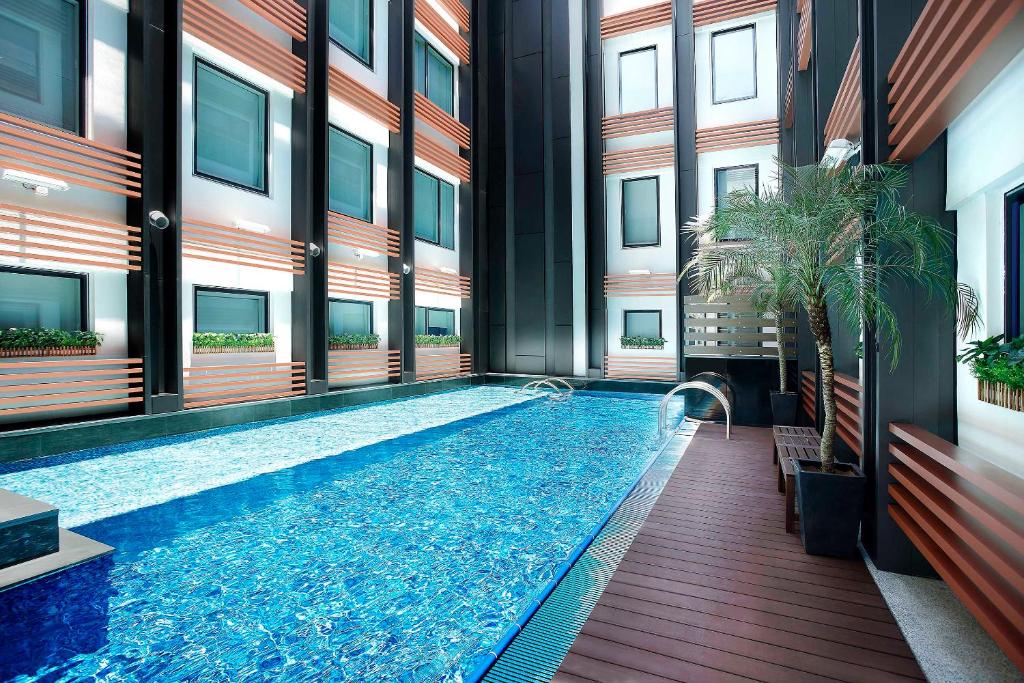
406, 269
159, 220
640, 271
365, 253
450, 271
314, 250
40, 184
252, 227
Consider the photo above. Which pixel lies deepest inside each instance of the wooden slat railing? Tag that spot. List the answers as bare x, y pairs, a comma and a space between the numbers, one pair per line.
435, 23
966, 516
712, 11
730, 327
370, 365
434, 364
431, 150
642, 159
441, 121
738, 135
640, 284
212, 25
225, 244
346, 89
809, 394
849, 404
458, 11
41, 387
440, 282
951, 55
60, 238
844, 121
804, 35
216, 385
361, 282
638, 123
358, 234
287, 15
659, 368
640, 19
35, 148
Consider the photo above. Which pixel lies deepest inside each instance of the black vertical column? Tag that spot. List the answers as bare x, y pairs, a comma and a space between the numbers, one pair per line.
595, 221
482, 116
467, 200
497, 127
154, 131
686, 150
309, 201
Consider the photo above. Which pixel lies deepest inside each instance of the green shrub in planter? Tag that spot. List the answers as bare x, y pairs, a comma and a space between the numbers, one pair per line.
635, 342
354, 341
999, 369
23, 341
438, 340
229, 342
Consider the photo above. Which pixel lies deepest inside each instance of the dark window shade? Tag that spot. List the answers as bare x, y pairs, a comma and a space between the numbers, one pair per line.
230, 311
351, 317
1014, 264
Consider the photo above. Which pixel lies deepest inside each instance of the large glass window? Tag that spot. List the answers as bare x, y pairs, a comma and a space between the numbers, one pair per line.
351, 169
436, 321
1015, 264
351, 26
435, 75
734, 64
642, 324
638, 80
351, 317
231, 129
434, 201
39, 61
40, 300
733, 179
231, 310
640, 212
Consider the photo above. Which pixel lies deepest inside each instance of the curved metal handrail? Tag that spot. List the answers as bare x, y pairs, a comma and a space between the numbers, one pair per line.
559, 394
702, 386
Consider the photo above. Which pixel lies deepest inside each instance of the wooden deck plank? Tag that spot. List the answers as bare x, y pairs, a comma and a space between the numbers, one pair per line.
713, 589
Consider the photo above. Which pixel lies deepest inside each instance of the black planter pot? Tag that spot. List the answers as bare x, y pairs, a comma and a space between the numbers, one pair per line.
784, 407
830, 508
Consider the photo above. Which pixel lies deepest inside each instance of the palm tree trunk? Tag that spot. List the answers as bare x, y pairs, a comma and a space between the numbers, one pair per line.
817, 315
782, 352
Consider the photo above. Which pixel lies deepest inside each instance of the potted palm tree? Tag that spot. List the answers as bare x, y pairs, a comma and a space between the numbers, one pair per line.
832, 239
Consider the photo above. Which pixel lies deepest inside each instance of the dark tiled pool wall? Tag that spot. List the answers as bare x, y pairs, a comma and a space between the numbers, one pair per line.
21, 541
618, 385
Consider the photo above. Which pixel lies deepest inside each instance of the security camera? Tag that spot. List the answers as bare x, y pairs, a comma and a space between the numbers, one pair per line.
314, 250
158, 220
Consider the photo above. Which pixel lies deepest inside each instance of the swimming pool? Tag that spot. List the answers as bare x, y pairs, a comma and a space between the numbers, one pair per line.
406, 558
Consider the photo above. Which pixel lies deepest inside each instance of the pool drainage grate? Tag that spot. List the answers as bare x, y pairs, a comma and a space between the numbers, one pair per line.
537, 651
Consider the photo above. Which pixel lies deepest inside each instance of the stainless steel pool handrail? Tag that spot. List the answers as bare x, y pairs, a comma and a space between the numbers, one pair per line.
549, 382
702, 386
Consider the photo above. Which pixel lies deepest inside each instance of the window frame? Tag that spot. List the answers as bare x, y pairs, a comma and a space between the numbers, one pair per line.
83, 288
1013, 273
427, 48
622, 211
426, 318
455, 206
230, 290
757, 177
625, 321
753, 36
265, 192
372, 37
331, 300
372, 162
653, 48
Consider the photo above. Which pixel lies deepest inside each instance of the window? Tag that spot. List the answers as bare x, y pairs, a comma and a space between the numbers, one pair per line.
733, 65
231, 310
350, 173
231, 129
642, 324
435, 321
1014, 263
434, 201
42, 300
733, 179
40, 73
640, 224
351, 317
435, 75
638, 80
351, 27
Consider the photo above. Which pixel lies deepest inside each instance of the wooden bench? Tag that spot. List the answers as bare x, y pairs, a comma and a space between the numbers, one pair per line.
787, 477
793, 436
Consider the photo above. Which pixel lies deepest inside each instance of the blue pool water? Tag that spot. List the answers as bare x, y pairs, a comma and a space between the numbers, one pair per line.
405, 559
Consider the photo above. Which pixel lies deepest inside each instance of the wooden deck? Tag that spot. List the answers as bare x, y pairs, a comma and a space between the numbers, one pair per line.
714, 589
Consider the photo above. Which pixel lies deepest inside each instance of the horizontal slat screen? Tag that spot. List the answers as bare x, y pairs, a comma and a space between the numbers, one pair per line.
641, 367
730, 327
634, 284
369, 365
217, 385
61, 238
362, 283
441, 121
287, 15
225, 244
952, 53
350, 91
966, 516
40, 387
711, 11
433, 151
458, 11
640, 19
849, 402
352, 232
434, 364
809, 394
31, 147
643, 159
439, 282
638, 123
844, 121
738, 135
804, 35
213, 25
435, 23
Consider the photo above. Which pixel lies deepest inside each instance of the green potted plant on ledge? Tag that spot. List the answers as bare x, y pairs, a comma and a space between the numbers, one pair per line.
635, 342
351, 342
437, 341
998, 366
20, 342
232, 342
841, 238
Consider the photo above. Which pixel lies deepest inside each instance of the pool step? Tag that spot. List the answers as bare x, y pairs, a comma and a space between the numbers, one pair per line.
31, 543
